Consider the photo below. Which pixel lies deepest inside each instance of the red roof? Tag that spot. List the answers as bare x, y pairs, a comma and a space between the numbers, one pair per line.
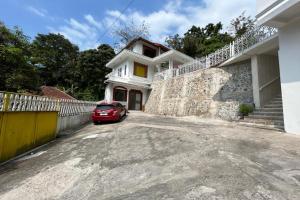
54, 92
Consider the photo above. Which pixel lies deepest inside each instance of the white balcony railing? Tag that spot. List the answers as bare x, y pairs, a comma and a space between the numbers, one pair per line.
235, 48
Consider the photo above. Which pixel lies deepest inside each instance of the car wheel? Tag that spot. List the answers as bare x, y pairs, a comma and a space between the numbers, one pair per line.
96, 123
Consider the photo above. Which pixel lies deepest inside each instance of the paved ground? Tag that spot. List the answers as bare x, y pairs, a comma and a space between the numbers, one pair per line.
155, 157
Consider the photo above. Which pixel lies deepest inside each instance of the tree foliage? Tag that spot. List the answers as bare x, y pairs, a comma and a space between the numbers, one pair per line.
92, 72
16, 71
55, 57
241, 25
51, 60
175, 42
198, 42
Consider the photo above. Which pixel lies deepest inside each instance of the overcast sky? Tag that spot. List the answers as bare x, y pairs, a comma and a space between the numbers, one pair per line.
88, 23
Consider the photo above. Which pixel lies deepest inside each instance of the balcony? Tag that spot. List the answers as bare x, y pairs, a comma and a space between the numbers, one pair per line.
114, 78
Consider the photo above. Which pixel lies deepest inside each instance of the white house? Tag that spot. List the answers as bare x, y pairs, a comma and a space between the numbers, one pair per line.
133, 71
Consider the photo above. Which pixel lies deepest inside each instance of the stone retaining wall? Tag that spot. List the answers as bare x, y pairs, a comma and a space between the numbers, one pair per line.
213, 92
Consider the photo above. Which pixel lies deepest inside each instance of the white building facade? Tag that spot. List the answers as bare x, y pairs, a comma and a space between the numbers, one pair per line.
133, 71
285, 15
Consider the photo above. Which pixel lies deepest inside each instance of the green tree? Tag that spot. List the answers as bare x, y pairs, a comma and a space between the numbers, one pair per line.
241, 25
55, 56
16, 71
92, 72
198, 42
175, 42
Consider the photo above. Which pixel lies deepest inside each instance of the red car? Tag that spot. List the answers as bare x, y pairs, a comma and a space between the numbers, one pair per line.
108, 112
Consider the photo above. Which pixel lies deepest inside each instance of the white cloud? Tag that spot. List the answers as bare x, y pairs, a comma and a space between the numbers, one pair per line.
116, 14
84, 34
40, 12
92, 21
178, 16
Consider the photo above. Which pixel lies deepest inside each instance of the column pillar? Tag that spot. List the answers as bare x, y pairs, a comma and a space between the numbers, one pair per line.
171, 64
255, 81
158, 68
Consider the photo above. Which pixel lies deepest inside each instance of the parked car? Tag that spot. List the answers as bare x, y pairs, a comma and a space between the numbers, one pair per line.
108, 112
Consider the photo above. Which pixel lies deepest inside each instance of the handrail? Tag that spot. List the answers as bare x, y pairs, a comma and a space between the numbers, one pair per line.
268, 83
235, 48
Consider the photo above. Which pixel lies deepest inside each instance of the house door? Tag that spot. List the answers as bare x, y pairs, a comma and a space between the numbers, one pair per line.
135, 100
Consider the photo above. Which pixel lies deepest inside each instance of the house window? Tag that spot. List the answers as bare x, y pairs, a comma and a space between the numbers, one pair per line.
120, 94
120, 72
147, 51
140, 70
125, 70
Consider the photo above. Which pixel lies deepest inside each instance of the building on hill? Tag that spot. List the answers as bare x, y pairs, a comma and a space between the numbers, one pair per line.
54, 92
133, 71
262, 67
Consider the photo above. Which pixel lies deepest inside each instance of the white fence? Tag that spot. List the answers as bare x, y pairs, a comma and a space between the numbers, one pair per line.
235, 48
13, 102
75, 107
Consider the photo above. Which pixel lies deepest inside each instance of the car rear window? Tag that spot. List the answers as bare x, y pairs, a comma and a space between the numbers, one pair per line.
105, 107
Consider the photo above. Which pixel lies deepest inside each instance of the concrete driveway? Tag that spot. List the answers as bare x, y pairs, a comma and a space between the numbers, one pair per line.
156, 157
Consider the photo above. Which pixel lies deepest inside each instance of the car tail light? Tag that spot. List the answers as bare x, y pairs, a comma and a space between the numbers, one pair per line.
95, 111
111, 111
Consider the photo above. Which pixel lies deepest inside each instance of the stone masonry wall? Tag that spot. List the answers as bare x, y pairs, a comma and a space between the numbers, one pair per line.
213, 92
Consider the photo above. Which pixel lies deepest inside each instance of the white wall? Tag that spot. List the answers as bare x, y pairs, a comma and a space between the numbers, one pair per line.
108, 92
71, 122
138, 47
122, 66
289, 59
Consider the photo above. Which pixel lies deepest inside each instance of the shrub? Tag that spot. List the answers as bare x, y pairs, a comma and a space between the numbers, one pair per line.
245, 109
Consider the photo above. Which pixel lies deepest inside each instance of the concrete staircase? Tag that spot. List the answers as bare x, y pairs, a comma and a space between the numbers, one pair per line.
270, 116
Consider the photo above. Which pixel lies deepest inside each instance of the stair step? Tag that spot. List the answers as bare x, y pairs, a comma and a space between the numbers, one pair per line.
253, 116
278, 98
273, 106
271, 109
276, 101
270, 127
267, 113
270, 116
264, 121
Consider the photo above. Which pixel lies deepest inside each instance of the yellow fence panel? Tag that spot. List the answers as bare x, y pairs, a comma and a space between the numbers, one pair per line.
1, 135
46, 127
27, 121
22, 131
